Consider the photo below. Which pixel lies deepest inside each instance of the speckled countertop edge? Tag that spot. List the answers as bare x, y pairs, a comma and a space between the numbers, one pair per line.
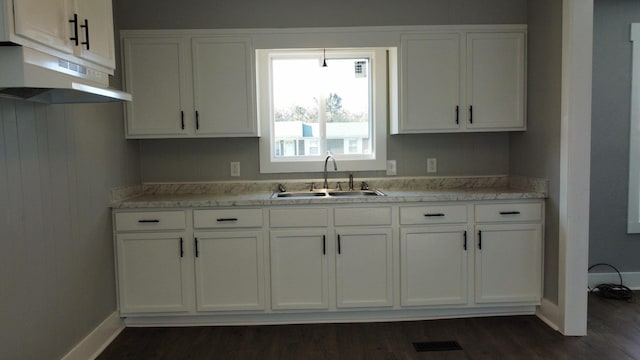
258, 193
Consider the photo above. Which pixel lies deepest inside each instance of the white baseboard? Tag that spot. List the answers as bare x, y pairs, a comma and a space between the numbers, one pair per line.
550, 314
629, 279
94, 343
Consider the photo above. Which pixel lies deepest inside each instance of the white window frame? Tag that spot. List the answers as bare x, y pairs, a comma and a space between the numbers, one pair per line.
379, 118
633, 215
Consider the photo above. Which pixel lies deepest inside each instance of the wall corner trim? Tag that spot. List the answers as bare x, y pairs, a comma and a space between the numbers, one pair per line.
549, 313
94, 343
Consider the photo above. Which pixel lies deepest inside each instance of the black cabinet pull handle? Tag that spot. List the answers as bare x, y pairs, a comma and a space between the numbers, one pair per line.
226, 219
74, 21
457, 114
479, 240
197, 120
149, 221
339, 245
470, 114
464, 237
509, 212
181, 248
434, 215
196, 247
86, 33
324, 245
182, 119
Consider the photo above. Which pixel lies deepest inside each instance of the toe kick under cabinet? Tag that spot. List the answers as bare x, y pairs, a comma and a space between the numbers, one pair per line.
339, 261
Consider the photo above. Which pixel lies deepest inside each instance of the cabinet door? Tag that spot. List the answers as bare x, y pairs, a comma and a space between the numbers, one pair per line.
229, 271
434, 265
431, 83
299, 269
156, 75
223, 87
44, 21
96, 32
496, 81
152, 273
509, 263
364, 268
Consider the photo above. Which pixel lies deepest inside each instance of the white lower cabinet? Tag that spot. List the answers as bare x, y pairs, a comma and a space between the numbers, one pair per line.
229, 270
508, 252
301, 262
508, 263
364, 267
153, 273
434, 265
299, 271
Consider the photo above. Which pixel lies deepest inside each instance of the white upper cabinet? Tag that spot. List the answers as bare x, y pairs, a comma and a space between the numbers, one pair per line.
187, 86
76, 30
155, 73
462, 81
223, 87
432, 89
44, 21
95, 31
496, 81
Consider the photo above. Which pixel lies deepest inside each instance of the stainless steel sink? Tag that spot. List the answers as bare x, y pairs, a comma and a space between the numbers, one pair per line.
327, 193
356, 193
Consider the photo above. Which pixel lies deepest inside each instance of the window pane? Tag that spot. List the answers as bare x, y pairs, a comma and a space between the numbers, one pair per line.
348, 109
321, 108
295, 102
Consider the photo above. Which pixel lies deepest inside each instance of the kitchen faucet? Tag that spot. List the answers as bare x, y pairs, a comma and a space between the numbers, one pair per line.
335, 168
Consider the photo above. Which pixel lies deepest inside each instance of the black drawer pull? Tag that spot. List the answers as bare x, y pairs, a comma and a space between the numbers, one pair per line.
149, 221
434, 215
509, 212
226, 219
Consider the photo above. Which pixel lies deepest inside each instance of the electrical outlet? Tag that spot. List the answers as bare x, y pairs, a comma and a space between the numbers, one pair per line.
235, 168
432, 165
391, 167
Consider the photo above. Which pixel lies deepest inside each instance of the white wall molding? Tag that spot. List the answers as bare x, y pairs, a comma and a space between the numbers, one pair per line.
550, 314
575, 164
94, 343
629, 279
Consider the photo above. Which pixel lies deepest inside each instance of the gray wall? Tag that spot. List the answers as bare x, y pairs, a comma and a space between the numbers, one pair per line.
57, 164
205, 14
536, 152
208, 159
608, 240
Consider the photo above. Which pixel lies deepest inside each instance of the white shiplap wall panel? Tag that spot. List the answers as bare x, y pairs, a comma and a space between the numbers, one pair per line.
57, 165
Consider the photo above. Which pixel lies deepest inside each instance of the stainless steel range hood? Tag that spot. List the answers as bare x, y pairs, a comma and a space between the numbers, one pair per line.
31, 75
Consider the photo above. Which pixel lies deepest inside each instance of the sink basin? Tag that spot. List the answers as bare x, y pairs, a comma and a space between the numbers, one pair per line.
356, 193
298, 194
327, 193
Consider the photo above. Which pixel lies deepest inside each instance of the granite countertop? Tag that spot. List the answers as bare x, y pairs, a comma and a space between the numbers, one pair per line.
225, 194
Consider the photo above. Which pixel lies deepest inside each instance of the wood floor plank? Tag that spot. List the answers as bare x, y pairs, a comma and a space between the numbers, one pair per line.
613, 333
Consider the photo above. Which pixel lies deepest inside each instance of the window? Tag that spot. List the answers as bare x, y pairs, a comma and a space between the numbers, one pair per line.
633, 215
308, 110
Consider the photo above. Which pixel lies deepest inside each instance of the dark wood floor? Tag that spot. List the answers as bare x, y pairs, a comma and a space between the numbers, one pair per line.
613, 333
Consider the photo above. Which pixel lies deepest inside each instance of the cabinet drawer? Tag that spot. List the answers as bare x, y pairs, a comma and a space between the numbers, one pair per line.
150, 220
438, 214
355, 216
509, 212
299, 217
227, 218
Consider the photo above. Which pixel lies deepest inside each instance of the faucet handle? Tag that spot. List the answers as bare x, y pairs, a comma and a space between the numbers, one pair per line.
364, 186
282, 188
350, 182
312, 186
339, 186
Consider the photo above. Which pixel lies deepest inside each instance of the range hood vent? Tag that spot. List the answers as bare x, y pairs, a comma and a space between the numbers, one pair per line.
31, 75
